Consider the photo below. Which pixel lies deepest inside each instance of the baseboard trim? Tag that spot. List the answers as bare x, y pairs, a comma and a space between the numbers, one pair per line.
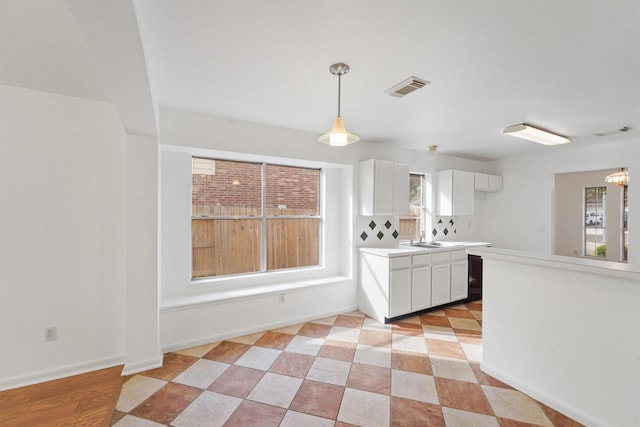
61, 372
252, 330
543, 397
142, 365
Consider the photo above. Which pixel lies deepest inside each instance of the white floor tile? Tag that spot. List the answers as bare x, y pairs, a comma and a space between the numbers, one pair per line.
298, 419
131, 421
372, 355
305, 345
516, 406
258, 358
363, 408
208, 410
202, 373
411, 385
458, 418
275, 389
136, 390
329, 371
453, 369
339, 333
409, 343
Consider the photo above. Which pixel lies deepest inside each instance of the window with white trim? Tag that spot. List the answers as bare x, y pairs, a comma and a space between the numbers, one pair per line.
251, 217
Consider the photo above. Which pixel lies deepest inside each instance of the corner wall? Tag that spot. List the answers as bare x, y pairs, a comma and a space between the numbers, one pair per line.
62, 256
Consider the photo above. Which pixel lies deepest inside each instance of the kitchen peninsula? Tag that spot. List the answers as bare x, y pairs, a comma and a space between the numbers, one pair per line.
566, 331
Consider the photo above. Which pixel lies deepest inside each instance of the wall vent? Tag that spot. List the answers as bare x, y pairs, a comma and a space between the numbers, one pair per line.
613, 132
407, 86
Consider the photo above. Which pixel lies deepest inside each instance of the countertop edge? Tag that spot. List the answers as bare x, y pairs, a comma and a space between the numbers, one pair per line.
411, 250
604, 268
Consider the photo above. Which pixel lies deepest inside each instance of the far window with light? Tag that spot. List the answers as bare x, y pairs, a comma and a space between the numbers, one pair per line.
253, 217
595, 244
412, 227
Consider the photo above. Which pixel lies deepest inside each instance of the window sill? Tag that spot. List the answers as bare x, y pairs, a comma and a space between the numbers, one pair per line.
225, 296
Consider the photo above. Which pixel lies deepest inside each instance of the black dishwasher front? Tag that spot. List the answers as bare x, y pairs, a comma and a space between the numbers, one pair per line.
475, 277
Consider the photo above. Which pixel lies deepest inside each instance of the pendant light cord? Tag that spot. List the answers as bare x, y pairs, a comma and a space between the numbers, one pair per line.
339, 78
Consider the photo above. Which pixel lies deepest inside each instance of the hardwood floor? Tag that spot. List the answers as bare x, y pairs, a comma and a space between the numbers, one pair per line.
81, 400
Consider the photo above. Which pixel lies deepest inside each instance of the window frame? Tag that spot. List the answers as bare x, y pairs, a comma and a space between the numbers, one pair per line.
264, 217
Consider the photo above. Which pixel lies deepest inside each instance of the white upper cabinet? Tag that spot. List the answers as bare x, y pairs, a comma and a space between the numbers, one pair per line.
384, 188
454, 192
487, 182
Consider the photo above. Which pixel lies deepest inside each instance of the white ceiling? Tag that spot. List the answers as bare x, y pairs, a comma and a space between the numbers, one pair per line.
572, 66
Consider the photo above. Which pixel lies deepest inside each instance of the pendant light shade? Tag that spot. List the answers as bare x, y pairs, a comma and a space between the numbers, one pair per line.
621, 177
338, 136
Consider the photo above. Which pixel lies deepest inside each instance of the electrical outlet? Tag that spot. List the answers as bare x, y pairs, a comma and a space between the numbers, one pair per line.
281, 298
50, 334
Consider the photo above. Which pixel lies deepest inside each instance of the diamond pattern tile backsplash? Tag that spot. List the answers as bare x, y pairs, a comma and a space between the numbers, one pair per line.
444, 228
377, 231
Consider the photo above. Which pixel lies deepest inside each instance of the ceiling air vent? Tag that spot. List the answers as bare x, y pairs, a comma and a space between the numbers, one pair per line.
613, 132
405, 87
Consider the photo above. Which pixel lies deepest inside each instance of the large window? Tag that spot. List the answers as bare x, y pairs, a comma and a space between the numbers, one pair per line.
253, 217
625, 230
595, 244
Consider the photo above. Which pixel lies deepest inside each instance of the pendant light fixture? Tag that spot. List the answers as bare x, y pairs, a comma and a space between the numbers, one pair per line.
338, 136
621, 177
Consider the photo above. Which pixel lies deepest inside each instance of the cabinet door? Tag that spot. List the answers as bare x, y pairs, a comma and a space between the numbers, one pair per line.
463, 184
383, 188
440, 284
481, 181
400, 189
420, 288
459, 280
399, 292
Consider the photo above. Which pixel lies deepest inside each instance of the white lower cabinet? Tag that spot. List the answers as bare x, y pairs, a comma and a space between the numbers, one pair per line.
399, 292
459, 275
395, 286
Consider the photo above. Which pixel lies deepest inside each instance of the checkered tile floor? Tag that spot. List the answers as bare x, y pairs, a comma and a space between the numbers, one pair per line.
339, 371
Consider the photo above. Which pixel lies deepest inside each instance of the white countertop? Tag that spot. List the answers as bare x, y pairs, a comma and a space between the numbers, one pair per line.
587, 265
407, 249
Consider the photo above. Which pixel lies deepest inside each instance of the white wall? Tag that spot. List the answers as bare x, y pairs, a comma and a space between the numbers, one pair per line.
143, 295
62, 222
520, 216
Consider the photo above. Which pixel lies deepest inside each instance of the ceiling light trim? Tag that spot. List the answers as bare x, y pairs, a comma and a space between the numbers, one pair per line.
536, 134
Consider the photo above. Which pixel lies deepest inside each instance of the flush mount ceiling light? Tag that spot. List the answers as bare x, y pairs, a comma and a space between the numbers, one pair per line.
433, 151
621, 177
338, 136
535, 134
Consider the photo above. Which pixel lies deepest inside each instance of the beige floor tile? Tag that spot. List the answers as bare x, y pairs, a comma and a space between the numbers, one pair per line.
363, 408
468, 324
473, 351
355, 313
339, 333
202, 373
247, 339
453, 369
137, 389
409, 343
516, 406
476, 314
374, 325
412, 319
209, 409
198, 351
291, 330
459, 418
373, 355
329, 371
439, 333
410, 385
275, 389
326, 320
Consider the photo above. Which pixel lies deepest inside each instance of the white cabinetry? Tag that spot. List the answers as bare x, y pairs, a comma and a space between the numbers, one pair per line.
400, 286
459, 275
395, 286
455, 192
487, 182
420, 282
440, 278
384, 188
